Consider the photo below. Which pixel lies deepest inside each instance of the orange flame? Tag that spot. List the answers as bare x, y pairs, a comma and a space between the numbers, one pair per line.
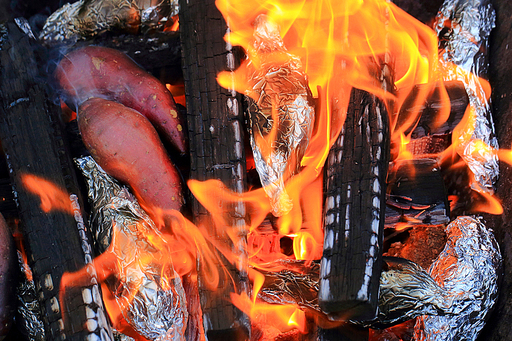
53, 198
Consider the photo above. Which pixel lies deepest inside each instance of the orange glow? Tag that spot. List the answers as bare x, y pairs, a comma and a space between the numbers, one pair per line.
178, 93
403, 152
490, 204
53, 198
140, 250
283, 317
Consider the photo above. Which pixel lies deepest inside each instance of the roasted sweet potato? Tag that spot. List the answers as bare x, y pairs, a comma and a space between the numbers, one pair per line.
95, 71
125, 144
8, 277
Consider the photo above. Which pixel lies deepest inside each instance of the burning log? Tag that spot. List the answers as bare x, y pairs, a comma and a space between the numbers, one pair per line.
216, 142
355, 189
54, 232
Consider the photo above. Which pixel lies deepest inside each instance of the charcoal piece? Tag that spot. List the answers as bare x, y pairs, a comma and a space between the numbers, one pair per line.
55, 241
355, 189
418, 180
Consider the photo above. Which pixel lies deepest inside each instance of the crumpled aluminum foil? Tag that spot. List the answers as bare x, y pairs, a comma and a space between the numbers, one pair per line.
86, 18
158, 310
28, 317
451, 301
467, 270
299, 284
281, 114
463, 28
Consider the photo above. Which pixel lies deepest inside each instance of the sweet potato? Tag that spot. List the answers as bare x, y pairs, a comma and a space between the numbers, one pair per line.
95, 71
8, 277
125, 144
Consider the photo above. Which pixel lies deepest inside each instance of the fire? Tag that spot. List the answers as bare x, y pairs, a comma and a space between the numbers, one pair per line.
52, 196
338, 43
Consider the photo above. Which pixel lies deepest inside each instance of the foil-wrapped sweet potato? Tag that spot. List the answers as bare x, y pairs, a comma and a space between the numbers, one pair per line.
95, 71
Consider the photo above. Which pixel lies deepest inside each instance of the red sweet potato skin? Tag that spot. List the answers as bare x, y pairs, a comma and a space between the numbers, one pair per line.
125, 144
96, 71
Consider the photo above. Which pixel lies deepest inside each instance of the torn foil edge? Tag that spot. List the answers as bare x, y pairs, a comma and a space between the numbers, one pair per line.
85, 18
155, 313
466, 46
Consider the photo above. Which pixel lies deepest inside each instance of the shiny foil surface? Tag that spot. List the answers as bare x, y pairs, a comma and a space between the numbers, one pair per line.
467, 270
86, 18
463, 28
281, 113
157, 309
451, 300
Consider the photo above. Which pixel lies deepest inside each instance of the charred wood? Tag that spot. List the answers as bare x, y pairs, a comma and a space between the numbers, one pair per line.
216, 149
355, 185
55, 241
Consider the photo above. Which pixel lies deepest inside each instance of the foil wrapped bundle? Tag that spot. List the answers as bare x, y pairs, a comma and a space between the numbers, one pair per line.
281, 113
451, 300
156, 307
298, 284
463, 28
86, 18
467, 270
28, 317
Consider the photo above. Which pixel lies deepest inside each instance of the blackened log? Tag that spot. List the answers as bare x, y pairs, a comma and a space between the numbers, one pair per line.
216, 142
55, 241
355, 189
423, 116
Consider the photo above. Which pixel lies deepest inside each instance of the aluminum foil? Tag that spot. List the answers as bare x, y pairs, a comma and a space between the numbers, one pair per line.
407, 291
463, 28
281, 113
29, 319
86, 18
298, 284
467, 270
158, 310
452, 300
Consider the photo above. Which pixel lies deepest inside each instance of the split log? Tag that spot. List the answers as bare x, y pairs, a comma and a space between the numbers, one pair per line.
216, 142
355, 190
55, 241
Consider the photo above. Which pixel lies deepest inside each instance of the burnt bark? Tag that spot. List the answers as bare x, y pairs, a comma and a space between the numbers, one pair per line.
55, 241
355, 189
216, 148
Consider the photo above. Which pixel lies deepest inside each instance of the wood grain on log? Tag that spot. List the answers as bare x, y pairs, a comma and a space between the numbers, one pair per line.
355, 191
216, 148
56, 241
